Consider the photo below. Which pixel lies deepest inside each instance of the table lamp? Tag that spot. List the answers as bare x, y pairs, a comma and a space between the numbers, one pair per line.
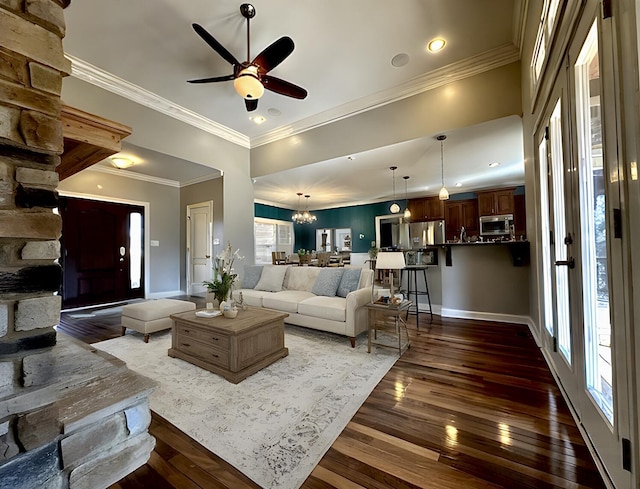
390, 260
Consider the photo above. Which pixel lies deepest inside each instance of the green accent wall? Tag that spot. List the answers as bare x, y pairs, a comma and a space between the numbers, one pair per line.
360, 218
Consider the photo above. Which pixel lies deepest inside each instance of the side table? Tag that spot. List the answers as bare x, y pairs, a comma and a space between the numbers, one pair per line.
384, 317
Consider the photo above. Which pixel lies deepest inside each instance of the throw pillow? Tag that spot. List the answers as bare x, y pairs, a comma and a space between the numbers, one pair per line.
271, 278
349, 281
251, 277
327, 282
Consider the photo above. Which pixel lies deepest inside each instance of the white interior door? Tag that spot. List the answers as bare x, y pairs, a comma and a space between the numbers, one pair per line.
199, 247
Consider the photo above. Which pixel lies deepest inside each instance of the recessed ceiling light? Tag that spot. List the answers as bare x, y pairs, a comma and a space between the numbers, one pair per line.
259, 119
436, 45
274, 112
493, 165
458, 184
400, 59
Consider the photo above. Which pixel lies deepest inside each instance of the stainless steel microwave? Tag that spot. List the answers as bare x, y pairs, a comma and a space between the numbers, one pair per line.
496, 225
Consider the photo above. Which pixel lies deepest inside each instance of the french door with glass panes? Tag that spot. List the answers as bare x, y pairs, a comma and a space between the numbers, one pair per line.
583, 306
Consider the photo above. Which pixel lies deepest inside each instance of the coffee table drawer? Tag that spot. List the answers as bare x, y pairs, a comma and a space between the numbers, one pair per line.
203, 351
209, 337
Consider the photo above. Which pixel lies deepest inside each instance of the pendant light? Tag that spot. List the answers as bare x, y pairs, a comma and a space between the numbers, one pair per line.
395, 208
444, 193
407, 212
297, 217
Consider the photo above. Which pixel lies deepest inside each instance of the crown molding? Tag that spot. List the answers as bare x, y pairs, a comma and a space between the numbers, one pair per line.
519, 24
95, 76
489, 60
134, 176
212, 176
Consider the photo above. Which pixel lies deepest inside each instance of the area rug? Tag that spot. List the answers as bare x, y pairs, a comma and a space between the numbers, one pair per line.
276, 425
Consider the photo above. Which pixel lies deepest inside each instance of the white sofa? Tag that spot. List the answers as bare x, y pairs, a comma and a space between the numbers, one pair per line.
305, 293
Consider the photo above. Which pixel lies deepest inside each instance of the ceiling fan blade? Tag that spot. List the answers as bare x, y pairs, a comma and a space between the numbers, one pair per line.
217, 47
251, 104
214, 79
283, 87
274, 54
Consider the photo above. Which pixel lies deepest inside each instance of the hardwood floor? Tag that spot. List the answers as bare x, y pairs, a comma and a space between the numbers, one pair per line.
471, 404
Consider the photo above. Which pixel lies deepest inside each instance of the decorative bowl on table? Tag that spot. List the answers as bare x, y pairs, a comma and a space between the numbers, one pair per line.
230, 313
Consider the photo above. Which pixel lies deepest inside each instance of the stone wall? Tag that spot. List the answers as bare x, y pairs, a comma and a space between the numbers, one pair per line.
68, 416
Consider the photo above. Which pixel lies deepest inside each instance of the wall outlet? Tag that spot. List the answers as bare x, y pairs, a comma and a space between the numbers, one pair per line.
216, 241
154, 242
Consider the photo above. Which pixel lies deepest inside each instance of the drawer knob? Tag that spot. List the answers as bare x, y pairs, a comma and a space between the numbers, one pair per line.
214, 355
187, 331
186, 344
214, 338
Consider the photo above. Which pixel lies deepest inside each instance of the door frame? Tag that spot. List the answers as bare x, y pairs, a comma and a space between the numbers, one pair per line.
147, 219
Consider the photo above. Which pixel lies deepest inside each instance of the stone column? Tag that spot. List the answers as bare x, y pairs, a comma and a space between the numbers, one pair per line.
32, 65
69, 416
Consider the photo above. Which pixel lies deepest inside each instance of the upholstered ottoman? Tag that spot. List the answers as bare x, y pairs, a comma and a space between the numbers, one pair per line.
151, 316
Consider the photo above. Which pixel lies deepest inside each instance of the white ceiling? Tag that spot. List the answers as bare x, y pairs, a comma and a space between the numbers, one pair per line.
342, 58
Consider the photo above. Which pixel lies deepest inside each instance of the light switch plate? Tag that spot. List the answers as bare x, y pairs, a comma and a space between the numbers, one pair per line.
216, 241
154, 242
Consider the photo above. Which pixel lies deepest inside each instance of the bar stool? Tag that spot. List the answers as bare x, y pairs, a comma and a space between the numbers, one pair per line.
412, 289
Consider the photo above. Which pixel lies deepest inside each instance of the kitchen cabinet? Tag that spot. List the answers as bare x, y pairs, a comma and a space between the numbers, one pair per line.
426, 209
496, 202
458, 213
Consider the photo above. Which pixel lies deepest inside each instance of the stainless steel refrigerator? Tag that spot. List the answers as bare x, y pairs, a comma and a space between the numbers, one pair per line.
429, 233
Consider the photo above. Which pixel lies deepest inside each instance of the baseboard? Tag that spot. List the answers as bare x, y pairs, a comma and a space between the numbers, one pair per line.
164, 295
576, 419
486, 316
435, 308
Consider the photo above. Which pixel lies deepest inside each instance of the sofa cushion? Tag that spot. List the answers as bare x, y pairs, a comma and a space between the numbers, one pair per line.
272, 278
156, 309
333, 308
301, 278
349, 281
250, 297
285, 301
251, 276
327, 282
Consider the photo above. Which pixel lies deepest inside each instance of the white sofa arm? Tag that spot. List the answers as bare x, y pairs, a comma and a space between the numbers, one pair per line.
357, 317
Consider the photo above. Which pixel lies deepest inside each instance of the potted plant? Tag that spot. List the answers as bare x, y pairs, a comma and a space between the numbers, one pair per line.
223, 275
373, 251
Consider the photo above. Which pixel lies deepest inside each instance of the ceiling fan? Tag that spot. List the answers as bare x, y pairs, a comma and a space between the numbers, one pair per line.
251, 78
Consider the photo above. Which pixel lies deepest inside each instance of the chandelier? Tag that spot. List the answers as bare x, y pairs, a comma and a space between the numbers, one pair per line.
303, 217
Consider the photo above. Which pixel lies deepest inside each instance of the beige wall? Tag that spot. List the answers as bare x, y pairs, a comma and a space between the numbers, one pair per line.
484, 97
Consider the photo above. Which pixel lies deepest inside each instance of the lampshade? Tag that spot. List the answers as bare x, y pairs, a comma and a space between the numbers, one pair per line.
247, 83
444, 193
390, 260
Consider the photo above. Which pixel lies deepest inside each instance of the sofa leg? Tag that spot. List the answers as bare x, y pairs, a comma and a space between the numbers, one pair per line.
146, 338
124, 330
353, 341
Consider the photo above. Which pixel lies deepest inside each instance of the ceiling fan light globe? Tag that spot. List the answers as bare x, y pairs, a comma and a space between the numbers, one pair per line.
248, 85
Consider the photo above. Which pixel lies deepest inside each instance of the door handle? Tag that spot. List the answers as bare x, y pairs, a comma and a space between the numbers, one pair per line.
571, 263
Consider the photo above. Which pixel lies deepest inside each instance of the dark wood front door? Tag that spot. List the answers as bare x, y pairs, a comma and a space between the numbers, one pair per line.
97, 252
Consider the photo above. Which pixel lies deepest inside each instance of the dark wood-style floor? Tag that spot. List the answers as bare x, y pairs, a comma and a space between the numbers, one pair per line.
471, 404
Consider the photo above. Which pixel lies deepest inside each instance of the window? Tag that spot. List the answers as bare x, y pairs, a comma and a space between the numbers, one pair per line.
271, 235
547, 27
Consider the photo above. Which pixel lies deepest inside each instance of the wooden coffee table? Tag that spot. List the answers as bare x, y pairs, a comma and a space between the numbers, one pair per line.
233, 348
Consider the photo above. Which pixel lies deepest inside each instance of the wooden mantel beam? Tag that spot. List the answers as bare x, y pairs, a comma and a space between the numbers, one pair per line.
88, 139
